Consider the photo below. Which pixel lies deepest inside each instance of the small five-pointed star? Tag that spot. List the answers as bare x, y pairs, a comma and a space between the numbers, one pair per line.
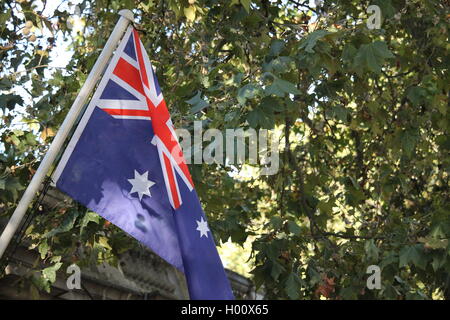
141, 184
202, 226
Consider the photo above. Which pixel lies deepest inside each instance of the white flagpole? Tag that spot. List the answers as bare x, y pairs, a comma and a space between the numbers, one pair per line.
126, 16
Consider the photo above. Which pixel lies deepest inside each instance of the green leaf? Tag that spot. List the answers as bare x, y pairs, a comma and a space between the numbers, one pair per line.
189, 12
326, 207
416, 95
280, 65
271, 104
387, 9
5, 84
276, 47
103, 241
43, 248
66, 225
310, 41
372, 57
40, 282
88, 217
349, 52
13, 185
31, 139
412, 254
409, 139
294, 228
280, 88
433, 243
276, 222
340, 113
292, 286
9, 101
276, 270
438, 230
50, 272
371, 250
246, 92
246, 5
4, 16
439, 261
258, 117
390, 258
197, 103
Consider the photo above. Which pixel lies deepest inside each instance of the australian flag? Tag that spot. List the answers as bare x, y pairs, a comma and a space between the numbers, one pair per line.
124, 162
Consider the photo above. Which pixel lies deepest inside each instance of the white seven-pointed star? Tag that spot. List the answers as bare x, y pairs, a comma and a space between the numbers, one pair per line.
202, 226
141, 184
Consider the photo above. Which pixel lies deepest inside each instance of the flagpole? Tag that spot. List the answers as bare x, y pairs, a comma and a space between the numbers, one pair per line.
126, 16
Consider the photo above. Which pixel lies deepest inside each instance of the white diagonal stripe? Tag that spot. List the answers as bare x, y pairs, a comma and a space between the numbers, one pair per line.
130, 60
127, 87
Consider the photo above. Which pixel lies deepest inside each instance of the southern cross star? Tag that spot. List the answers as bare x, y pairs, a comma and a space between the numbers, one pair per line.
141, 184
202, 226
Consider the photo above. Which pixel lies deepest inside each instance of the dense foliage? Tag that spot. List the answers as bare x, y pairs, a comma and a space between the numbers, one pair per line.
363, 116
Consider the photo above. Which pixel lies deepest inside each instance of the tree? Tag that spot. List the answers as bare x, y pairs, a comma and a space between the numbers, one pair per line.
364, 166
